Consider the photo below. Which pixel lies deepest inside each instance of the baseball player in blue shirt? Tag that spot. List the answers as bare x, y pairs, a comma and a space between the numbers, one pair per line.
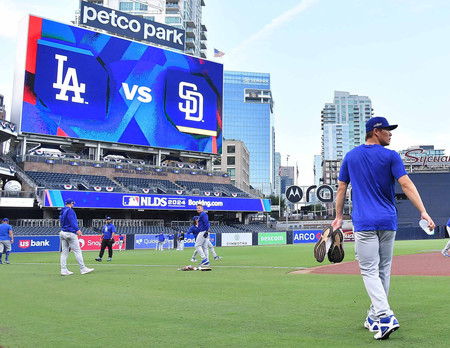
69, 238
170, 241
161, 240
372, 170
120, 241
200, 241
445, 250
108, 232
6, 238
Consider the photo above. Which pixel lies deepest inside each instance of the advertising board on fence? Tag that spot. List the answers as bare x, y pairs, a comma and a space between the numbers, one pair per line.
94, 243
149, 241
31, 244
306, 236
266, 238
236, 239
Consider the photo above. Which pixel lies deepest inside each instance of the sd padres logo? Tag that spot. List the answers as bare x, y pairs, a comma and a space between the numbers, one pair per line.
193, 101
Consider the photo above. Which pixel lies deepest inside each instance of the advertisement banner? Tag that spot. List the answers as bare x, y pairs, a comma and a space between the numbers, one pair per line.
306, 236
111, 200
84, 84
236, 239
32, 244
94, 243
265, 238
189, 240
149, 241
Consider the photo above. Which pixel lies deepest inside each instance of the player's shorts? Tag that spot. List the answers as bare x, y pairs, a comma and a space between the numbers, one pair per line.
5, 245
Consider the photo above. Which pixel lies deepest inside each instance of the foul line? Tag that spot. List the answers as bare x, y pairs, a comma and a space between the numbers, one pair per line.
126, 265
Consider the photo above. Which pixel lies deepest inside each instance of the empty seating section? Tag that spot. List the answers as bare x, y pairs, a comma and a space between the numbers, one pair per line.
226, 189
77, 181
254, 228
155, 185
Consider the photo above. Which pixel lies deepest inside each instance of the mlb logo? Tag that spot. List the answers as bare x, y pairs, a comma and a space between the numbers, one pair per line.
24, 243
191, 103
130, 201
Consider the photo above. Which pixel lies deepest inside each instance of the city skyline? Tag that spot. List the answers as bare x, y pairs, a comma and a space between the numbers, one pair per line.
391, 51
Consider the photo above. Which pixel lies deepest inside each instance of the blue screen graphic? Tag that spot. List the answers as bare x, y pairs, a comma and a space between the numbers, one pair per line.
94, 86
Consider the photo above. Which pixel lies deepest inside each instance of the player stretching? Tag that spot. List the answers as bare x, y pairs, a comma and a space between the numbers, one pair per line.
372, 170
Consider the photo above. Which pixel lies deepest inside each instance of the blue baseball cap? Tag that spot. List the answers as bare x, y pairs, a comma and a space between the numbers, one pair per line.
69, 201
5, 219
108, 218
379, 122
195, 218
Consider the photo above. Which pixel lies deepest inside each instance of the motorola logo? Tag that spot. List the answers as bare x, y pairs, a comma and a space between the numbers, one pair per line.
294, 194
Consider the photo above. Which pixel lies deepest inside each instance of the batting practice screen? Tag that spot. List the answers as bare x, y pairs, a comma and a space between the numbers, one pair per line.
88, 85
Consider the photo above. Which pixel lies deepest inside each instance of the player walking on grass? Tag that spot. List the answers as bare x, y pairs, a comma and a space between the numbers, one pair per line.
108, 232
372, 170
120, 241
69, 238
200, 241
447, 247
6, 239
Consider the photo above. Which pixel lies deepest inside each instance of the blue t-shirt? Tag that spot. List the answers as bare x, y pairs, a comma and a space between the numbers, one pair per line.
120, 237
372, 171
170, 236
161, 237
4, 231
68, 220
203, 222
448, 222
108, 230
194, 230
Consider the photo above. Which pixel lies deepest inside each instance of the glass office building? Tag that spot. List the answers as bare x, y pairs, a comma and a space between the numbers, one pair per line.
248, 116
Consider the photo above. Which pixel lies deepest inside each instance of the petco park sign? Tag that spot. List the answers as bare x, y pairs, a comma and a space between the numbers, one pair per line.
131, 26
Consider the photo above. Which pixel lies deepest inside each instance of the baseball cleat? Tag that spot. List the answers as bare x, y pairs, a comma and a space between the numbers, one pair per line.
217, 257
193, 260
445, 253
109, 259
320, 249
99, 259
336, 252
66, 273
204, 262
7, 262
387, 326
372, 325
86, 270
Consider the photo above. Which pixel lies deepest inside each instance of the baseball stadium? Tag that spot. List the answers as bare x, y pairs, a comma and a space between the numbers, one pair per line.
131, 131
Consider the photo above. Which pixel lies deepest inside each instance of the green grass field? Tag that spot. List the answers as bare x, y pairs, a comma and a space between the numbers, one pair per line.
250, 299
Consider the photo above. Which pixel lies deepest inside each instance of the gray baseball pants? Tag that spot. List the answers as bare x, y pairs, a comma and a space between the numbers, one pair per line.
375, 249
200, 245
447, 247
69, 239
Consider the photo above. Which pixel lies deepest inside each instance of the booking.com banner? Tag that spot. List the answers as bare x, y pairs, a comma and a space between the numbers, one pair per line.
306, 236
111, 200
83, 84
32, 244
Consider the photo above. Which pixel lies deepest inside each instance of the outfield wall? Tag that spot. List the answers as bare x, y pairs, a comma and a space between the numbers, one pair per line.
148, 241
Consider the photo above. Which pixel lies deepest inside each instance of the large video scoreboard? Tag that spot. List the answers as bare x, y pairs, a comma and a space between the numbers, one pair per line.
83, 84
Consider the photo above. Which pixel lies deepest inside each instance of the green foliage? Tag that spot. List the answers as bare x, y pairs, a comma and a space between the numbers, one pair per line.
250, 299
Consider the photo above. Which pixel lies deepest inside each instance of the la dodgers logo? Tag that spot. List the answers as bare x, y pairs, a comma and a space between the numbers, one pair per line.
194, 101
70, 82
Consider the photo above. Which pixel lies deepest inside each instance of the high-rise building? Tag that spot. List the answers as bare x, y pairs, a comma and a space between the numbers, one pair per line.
343, 128
286, 180
248, 116
343, 124
182, 14
277, 170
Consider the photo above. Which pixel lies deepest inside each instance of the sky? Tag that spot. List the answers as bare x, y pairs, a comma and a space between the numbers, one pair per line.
396, 52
